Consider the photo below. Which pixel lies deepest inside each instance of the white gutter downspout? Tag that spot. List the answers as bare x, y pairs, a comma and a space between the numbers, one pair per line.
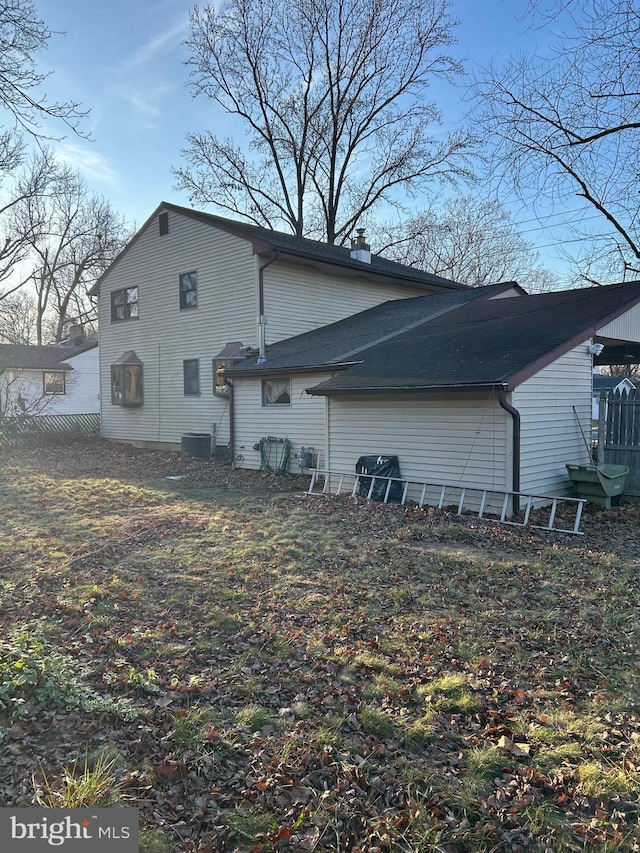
262, 319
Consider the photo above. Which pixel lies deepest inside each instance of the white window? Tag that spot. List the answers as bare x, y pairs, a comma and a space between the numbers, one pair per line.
276, 392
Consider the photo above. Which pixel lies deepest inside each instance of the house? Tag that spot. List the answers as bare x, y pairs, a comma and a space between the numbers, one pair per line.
611, 384
487, 392
192, 293
58, 379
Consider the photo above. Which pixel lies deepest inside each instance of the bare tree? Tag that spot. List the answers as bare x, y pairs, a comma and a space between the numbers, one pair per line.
26, 189
24, 111
18, 317
72, 236
22, 36
468, 240
569, 124
331, 95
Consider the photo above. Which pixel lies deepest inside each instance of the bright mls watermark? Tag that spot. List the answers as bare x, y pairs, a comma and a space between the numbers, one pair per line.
71, 830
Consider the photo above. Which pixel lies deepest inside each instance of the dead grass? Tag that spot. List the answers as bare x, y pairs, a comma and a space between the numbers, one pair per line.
315, 674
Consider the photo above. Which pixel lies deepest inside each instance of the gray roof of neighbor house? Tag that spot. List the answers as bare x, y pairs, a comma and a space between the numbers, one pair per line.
265, 240
51, 357
603, 383
478, 343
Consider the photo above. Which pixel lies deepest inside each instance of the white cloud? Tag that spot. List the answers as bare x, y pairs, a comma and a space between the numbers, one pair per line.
88, 161
147, 53
146, 77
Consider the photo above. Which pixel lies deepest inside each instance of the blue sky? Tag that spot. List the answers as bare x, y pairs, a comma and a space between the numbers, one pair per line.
124, 61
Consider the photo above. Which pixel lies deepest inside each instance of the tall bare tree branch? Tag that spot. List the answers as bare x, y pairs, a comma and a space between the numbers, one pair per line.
568, 124
332, 96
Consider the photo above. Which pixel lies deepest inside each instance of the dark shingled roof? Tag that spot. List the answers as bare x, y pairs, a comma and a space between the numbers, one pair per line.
301, 248
28, 357
476, 343
344, 341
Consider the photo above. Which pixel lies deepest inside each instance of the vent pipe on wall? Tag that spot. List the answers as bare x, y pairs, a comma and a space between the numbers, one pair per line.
262, 345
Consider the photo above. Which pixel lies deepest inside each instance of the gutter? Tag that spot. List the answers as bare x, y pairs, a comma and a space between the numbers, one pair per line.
261, 370
515, 474
373, 390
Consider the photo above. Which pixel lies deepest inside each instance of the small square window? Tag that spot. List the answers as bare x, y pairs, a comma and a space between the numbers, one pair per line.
191, 377
276, 392
188, 290
53, 382
124, 304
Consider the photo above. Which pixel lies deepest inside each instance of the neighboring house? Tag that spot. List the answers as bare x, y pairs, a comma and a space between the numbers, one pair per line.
49, 380
483, 392
180, 304
611, 384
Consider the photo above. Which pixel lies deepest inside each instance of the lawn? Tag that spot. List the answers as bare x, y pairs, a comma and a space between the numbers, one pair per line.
260, 670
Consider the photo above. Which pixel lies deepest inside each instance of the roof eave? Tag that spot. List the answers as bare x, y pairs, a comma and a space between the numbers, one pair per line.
260, 247
403, 390
266, 370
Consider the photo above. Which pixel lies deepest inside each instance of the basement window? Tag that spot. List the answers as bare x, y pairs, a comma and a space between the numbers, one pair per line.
126, 380
276, 392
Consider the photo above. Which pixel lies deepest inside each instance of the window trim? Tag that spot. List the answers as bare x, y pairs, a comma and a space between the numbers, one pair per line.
227, 362
192, 277
59, 374
130, 364
266, 402
185, 362
126, 304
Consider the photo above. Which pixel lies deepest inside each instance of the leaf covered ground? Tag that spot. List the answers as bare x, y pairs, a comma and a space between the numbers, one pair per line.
262, 670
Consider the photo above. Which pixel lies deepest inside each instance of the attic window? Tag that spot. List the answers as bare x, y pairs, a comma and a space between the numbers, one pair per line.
126, 380
163, 224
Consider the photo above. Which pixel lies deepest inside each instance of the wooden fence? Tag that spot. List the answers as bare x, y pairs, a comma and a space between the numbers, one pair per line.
619, 436
13, 431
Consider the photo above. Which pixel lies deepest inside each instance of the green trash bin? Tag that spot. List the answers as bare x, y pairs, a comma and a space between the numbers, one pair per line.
598, 483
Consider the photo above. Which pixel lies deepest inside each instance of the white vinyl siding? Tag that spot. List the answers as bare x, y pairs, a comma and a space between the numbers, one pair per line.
299, 299
625, 328
454, 440
81, 385
164, 336
550, 430
302, 422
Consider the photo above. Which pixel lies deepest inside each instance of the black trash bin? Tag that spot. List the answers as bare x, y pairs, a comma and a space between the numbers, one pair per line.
382, 466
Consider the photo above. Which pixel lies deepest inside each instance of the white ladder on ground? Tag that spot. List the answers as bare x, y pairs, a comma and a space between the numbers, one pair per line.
462, 496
